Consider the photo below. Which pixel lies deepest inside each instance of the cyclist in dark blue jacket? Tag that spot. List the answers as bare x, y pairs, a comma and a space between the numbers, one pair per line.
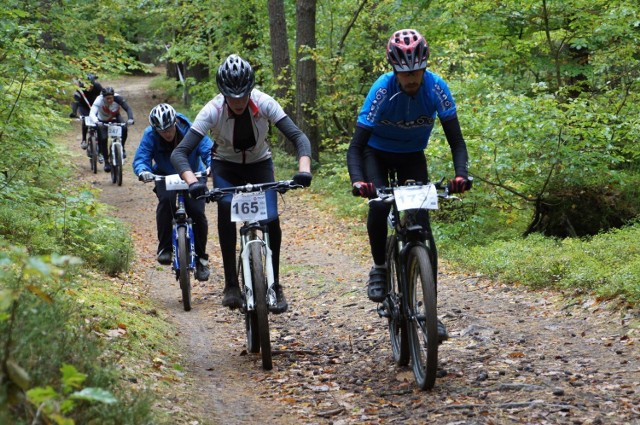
392, 132
83, 99
153, 155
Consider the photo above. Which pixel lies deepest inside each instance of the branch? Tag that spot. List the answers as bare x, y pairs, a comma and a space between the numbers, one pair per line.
349, 26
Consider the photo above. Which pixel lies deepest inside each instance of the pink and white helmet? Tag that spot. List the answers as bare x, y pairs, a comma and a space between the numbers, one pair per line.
407, 50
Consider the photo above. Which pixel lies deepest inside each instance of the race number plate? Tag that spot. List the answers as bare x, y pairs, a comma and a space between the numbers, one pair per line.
249, 206
115, 131
174, 182
416, 197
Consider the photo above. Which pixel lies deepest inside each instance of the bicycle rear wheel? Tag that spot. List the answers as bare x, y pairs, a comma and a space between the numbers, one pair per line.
260, 297
396, 320
183, 263
422, 325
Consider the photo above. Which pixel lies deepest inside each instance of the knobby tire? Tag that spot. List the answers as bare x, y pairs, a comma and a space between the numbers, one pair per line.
183, 263
118, 168
396, 319
422, 325
251, 324
93, 154
260, 298
113, 169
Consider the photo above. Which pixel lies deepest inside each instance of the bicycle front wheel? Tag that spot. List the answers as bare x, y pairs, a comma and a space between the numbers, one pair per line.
93, 154
423, 319
118, 167
183, 273
260, 297
396, 320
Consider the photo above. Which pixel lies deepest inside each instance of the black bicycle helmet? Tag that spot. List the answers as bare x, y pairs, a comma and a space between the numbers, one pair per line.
235, 77
92, 78
162, 117
407, 50
108, 91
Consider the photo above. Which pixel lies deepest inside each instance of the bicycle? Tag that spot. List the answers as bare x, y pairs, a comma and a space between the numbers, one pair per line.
114, 149
93, 150
410, 305
255, 266
183, 259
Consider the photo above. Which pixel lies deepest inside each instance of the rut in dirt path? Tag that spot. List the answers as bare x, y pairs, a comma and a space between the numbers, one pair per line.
514, 356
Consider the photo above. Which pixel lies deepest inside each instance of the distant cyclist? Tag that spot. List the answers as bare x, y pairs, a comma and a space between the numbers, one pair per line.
239, 119
83, 99
392, 132
108, 108
153, 155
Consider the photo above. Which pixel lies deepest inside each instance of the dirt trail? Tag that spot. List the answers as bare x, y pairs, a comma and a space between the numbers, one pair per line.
514, 356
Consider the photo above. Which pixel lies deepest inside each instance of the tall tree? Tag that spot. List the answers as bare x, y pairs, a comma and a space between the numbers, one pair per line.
281, 59
306, 78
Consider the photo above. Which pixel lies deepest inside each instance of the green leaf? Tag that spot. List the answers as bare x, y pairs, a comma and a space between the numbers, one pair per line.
40, 395
94, 394
71, 378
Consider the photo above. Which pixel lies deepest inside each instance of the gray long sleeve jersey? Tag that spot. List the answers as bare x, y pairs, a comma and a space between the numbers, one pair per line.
241, 138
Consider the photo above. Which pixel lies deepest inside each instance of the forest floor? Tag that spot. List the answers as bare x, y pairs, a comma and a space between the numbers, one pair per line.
514, 355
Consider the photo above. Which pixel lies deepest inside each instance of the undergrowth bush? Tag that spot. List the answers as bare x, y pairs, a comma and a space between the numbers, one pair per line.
44, 331
73, 222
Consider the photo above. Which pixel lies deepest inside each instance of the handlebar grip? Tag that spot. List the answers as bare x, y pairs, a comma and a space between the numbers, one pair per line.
467, 186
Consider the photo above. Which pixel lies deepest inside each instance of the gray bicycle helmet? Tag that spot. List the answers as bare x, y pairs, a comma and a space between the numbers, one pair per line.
235, 77
108, 91
92, 78
407, 50
162, 117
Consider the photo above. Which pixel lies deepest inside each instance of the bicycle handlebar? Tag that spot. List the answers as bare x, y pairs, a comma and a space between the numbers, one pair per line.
385, 193
158, 177
281, 186
107, 124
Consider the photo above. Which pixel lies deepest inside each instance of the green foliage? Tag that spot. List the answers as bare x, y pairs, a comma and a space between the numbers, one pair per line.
57, 406
46, 337
67, 221
606, 264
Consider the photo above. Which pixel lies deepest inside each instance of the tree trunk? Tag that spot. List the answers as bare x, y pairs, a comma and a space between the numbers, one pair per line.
306, 78
281, 62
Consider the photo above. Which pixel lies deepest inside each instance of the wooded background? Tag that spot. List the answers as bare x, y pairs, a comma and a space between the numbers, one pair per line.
547, 91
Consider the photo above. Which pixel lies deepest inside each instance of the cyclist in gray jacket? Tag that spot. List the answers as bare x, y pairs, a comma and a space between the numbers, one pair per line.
108, 108
238, 119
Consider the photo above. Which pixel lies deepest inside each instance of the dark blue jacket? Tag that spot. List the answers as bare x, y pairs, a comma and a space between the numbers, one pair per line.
154, 153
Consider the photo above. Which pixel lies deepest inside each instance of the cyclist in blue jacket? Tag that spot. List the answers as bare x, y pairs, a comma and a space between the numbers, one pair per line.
153, 156
392, 132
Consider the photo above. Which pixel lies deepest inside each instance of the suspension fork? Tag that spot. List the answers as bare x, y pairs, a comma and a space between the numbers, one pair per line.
249, 235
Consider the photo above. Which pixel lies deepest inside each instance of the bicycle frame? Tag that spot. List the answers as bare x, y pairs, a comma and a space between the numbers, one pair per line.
408, 234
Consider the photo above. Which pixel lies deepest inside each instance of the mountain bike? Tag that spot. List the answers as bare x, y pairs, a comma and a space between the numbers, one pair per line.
410, 305
93, 150
255, 266
114, 149
183, 260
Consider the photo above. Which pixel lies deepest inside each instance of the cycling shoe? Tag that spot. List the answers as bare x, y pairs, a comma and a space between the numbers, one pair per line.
232, 297
377, 284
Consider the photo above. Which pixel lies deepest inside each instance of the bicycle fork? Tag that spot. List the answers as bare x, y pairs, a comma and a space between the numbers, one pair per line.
115, 146
181, 220
249, 237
